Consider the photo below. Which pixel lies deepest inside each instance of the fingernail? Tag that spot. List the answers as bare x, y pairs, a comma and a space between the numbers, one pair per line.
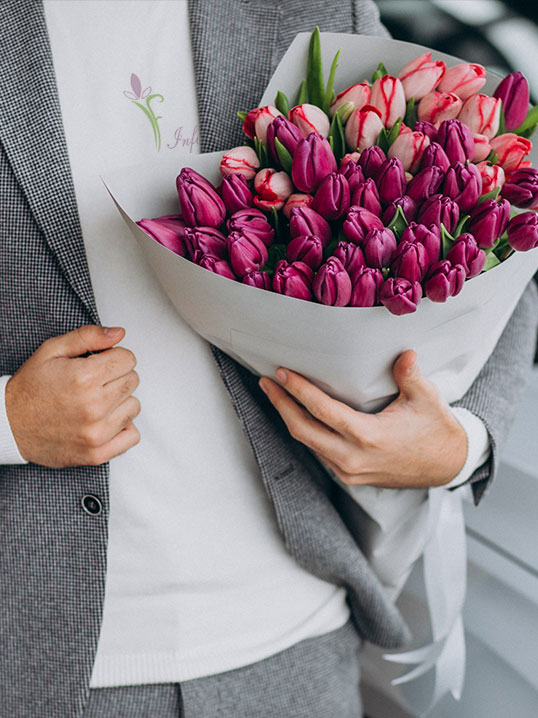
112, 331
281, 376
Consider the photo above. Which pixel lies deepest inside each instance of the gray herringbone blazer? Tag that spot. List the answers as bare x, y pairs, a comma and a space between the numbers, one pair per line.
52, 553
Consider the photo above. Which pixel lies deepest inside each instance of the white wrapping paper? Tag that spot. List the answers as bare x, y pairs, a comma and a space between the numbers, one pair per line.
349, 352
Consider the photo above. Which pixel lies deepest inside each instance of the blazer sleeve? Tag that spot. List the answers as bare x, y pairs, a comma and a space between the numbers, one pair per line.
497, 390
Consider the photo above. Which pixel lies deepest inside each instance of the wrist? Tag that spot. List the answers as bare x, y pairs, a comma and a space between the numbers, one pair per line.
10, 450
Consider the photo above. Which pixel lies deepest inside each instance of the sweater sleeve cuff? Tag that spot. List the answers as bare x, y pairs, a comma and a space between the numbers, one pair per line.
478, 445
9, 452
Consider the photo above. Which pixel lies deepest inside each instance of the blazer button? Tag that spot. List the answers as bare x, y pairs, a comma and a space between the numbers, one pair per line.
91, 505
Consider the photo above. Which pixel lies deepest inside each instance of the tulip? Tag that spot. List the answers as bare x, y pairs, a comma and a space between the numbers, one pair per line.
445, 280
312, 162
523, 231
351, 257
200, 203
429, 236
410, 261
305, 220
214, 264
481, 114
207, 239
435, 156
358, 223
268, 205
437, 106
379, 246
297, 200
357, 95
421, 76
332, 284
261, 280
409, 148
263, 119
254, 221
239, 160
425, 184
463, 183
400, 296
247, 252
293, 280
488, 221
438, 210
371, 160
367, 283
390, 180
464, 79
363, 128
332, 197
511, 150
270, 184
248, 123
168, 231
353, 173
522, 188
307, 249
350, 157
286, 133
513, 91
456, 140
466, 252
310, 118
482, 148
427, 128
235, 193
366, 195
389, 97
492, 177
408, 205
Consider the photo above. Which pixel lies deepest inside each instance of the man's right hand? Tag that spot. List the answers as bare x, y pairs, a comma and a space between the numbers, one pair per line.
66, 409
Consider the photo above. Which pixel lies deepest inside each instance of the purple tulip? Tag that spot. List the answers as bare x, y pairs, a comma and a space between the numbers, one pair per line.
366, 195
207, 239
457, 140
488, 221
353, 173
371, 160
523, 231
293, 280
200, 204
521, 189
351, 257
261, 280
214, 264
332, 284
435, 156
306, 248
444, 280
465, 251
168, 231
358, 223
439, 210
427, 128
379, 247
463, 183
410, 261
332, 197
286, 133
255, 221
400, 296
247, 252
367, 284
305, 220
390, 180
408, 205
514, 93
312, 162
236, 193
425, 184
430, 237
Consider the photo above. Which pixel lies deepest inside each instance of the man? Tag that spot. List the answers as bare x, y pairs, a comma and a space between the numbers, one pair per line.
220, 598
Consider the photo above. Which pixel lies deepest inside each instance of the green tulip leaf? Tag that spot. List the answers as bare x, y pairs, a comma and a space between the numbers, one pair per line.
461, 225
447, 241
398, 224
261, 152
410, 113
491, 260
282, 104
528, 133
314, 75
329, 91
529, 122
502, 121
395, 131
329, 249
489, 195
383, 140
502, 248
301, 97
336, 134
242, 116
275, 253
283, 155
276, 222
492, 158
380, 72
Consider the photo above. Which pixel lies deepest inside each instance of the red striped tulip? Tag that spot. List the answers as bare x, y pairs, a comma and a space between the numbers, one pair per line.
168, 231
438, 106
297, 200
254, 221
523, 231
310, 118
200, 204
445, 280
511, 150
358, 223
307, 249
465, 251
332, 284
363, 128
492, 177
312, 162
389, 97
522, 189
357, 95
263, 119
482, 148
248, 123
247, 252
409, 148
236, 193
514, 93
305, 220
293, 280
463, 80
400, 296
481, 114
367, 283
271, 185
240, 160
421, 75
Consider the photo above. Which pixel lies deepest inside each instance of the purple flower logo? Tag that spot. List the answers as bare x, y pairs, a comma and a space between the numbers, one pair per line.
136, 96
136, 87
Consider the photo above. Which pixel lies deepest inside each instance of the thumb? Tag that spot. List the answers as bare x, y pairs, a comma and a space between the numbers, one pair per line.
407, 375
88, 338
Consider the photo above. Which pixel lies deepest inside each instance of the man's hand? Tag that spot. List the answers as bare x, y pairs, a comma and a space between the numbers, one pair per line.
68, 410
414, 442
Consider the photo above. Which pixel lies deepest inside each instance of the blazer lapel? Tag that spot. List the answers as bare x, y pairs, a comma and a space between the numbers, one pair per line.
32, 135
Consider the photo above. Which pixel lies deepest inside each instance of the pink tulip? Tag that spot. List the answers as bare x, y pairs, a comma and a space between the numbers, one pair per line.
421, 76
482, 148
358, 95
438, 106
240, 161
511, 150
409, 148
492, 176
309, 118
268, 205
270, 184
389, 97
248, 123
297, 200
464, 80
350, 157
263, 119
363, 128
481, 114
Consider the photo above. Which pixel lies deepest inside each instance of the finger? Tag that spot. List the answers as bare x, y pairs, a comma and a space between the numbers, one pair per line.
122, 416
88, 338
111, 364
411, 383
115, 392
119, 444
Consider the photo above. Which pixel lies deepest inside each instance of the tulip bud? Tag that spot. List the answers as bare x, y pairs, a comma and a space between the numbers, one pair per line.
363, 128
456, 140
522, 188
168, 231
421, 76
310, 118
409, 148
254, 221
429, 236
425, 184
358, 223
312, 162
214, 264
293, 280
492, 177
435, 156
351, 257
379, 246
239, 160
263, 119
389, 97
297, 200
236, 193
437, 106
307, 249
371, 160
199, 201
260, 280
400, 296
410, 261
305, 220
408, 205
207, 239
332, 284
247, 252
465, 251
488, 221
367, 283
332, 197
357, 95
427, 128
353, 173
511, 150
482, 148
463, 183
391, 180
481, 114
366, 195
513, 91
286, 133
523, 231
270, 184
464, 79
444, 281
248, 123
439, 210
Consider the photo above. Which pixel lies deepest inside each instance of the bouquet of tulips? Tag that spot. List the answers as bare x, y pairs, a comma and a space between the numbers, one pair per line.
381, 194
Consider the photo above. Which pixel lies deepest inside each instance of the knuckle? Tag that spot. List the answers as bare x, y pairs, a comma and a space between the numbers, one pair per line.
92, 437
